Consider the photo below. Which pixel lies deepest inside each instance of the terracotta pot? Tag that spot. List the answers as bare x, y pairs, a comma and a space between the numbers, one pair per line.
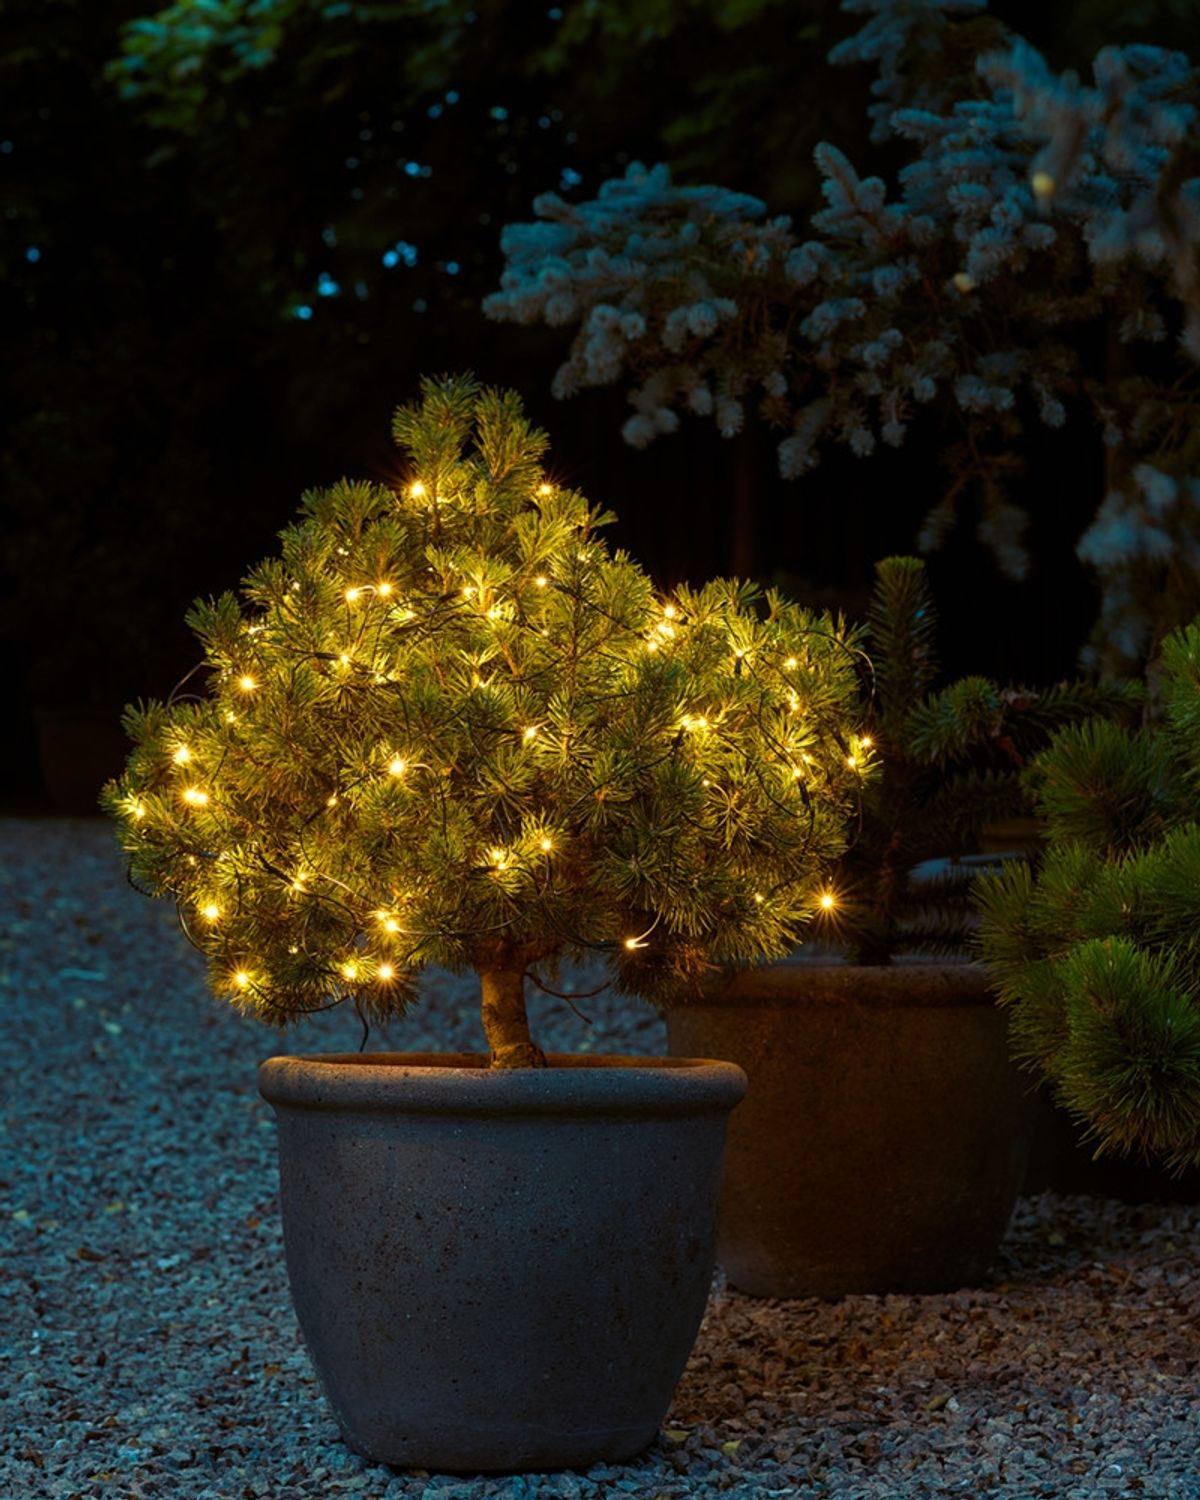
499, 1270
1063, 1161
883, 1141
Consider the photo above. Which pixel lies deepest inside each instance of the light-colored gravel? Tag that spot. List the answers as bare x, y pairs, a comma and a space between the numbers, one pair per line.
148, 1348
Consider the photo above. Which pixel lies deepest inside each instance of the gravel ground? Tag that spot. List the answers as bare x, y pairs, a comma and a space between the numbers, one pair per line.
148, 1348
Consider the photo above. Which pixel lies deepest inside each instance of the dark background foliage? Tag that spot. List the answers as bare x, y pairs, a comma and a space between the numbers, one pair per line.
200, 318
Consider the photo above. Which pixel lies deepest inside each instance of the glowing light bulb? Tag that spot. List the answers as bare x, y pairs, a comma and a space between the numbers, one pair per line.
386, 972
669, 611
1043, 185
247, 683
195, 796
384, 590
344, 659
210, 912
964, 282
416, 489
468, 592
390, 924
852, 762
230, 716
139, 811
530, 732
545, 489
242, 979
494, 612
350, 970
352, 595
632, 943
182, 756
865, 741
397, 766
499, 858
828, 901
758, 896
546, 845
791, 664
540, 581
651, 645
331, 801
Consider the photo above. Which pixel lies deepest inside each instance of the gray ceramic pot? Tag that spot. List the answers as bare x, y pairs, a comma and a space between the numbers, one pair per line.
499, 1270
884, 1139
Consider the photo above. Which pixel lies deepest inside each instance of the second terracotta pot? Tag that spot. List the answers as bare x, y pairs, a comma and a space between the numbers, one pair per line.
885, 1133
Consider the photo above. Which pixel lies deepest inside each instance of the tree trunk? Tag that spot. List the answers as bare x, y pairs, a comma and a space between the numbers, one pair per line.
504, 1020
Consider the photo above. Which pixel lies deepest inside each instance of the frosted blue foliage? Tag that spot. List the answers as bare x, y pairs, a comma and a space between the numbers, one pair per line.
893, 30
730, 415
923, 387
826, 317
1031, 209
1144, 535
1002, 528
806, 262
700, 399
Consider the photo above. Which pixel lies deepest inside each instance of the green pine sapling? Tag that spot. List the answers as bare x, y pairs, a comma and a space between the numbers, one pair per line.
1097, 951
950, 764
448, 727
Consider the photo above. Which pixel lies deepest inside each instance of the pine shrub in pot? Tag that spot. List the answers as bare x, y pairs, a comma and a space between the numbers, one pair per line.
448, 727
884, 1139
1094, 951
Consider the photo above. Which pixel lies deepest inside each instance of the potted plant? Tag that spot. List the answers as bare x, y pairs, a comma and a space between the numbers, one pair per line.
1094, 953
446, 726
883, 1142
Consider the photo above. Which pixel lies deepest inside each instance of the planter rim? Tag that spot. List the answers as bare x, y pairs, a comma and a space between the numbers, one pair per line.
800, 983
462, 1083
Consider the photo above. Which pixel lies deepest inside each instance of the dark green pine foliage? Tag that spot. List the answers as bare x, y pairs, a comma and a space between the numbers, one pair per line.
1097, 950
950, 765
447, 726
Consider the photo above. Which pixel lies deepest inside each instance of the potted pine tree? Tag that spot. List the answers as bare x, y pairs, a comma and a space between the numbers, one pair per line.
1094, 953
884, 1139
446, 726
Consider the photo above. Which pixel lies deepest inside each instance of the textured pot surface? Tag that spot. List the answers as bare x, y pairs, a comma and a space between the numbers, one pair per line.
884, 1137
499, 1270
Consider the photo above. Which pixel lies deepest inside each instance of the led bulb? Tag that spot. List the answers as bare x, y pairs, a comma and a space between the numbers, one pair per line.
211, 912
547, 845
386, 972
530, 732
247, 683
545, 489
242, 979
669, 611
416, 489
350, 971
540, 581
791, 664
383, 590
182, 756
195, 796
352, 595
828, 901
397, 766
